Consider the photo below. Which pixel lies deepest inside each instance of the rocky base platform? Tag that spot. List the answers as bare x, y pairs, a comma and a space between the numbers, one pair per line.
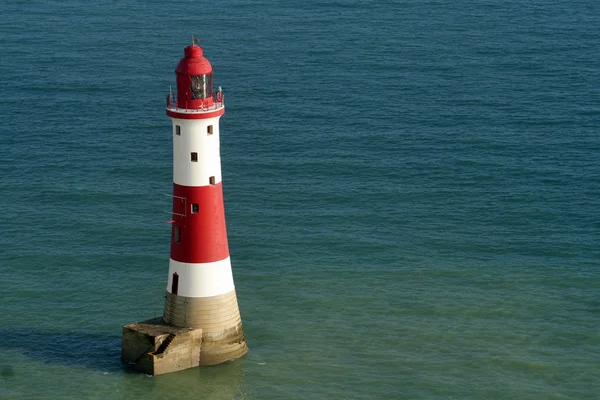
155, 347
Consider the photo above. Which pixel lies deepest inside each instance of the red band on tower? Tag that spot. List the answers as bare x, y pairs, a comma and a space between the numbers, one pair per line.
200, 218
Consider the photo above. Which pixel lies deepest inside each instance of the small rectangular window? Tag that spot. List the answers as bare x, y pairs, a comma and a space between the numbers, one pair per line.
195, 157
194, 208
209, 130
177, 130
175, 283
211, 180
177, 234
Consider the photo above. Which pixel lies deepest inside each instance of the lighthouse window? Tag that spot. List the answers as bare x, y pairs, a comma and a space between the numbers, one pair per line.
194, 208
175, 283
211, 180
201, 86
209, 129
195, 157
177, 130
177, 234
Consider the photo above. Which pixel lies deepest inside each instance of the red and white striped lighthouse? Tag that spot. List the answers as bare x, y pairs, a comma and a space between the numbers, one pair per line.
200, 289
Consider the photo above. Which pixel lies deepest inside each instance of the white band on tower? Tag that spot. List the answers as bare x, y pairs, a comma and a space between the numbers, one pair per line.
201, 280
199, 136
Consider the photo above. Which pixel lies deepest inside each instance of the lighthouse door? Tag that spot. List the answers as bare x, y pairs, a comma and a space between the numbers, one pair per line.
175, 284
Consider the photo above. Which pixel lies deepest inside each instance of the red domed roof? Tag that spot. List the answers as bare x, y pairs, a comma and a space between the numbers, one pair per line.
194, 63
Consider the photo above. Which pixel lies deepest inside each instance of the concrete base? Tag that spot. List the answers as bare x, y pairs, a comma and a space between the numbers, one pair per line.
156, 348
219, 318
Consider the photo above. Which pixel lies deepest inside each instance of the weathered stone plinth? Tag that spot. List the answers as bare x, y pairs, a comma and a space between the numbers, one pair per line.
219, 318
156, 348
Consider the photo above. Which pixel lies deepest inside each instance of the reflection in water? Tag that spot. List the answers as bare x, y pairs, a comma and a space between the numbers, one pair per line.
100, 355
219, 382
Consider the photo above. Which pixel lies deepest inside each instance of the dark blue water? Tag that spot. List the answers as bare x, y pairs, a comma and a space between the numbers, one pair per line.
412, 195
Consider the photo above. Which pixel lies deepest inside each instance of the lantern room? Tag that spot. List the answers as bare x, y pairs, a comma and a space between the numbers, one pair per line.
194, 80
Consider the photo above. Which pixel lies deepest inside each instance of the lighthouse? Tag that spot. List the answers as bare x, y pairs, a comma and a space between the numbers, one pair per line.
201, 324
200, 289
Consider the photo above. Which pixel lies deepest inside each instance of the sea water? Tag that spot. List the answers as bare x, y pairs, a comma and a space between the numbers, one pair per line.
411, 190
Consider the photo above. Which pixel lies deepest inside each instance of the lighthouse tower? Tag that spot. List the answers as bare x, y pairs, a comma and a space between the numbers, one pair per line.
200, 289
201, 324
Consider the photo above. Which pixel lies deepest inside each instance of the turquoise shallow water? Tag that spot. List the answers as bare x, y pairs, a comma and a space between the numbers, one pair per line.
412, 196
